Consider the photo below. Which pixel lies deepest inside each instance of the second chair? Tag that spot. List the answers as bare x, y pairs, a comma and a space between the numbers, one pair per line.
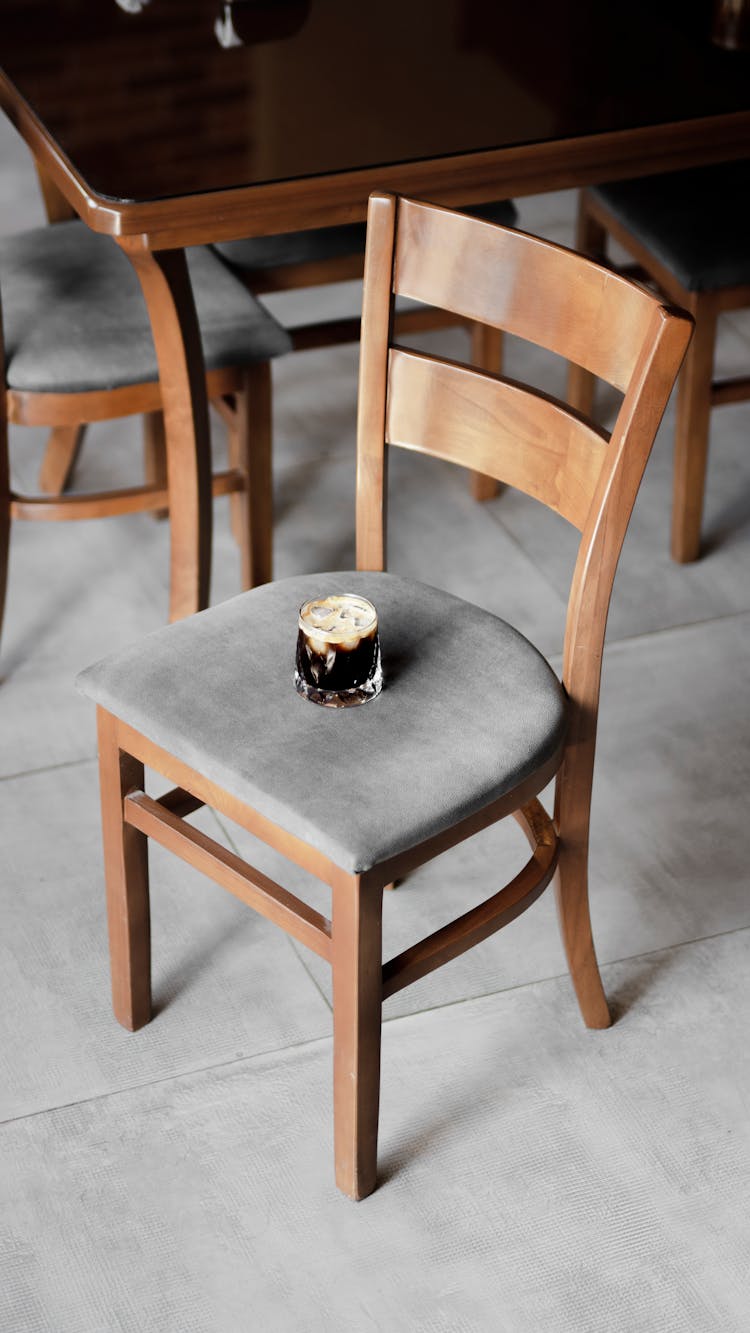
78, 349
687, 232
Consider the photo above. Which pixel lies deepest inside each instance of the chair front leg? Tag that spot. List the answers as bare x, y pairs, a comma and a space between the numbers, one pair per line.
165, 282
357, 1004
250, 450
126, 874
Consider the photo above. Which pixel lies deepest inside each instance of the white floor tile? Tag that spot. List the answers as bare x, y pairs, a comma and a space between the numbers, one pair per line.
536, 1178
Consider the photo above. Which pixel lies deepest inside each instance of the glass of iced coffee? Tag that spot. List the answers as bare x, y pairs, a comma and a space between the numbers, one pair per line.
338, 651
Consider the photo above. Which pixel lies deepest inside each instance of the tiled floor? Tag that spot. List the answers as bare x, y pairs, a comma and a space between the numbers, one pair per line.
537, 1178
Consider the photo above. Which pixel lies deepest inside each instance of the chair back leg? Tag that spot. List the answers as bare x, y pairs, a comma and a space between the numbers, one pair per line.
60, 457
486, 354
357, 1004
572, 815
591, 240
250, 449
155, 455
126, 875
692, 430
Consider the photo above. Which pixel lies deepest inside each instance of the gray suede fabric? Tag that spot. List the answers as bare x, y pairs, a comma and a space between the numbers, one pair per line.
695, 222
75, 320
469, 709
305, 247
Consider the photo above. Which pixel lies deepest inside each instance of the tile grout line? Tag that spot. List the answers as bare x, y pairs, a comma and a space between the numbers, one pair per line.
397, 1018
562, 976
673, 629
164, 1078
48, 768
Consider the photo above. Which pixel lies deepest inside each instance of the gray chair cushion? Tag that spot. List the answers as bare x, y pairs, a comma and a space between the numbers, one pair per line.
74, 316
305, 247
468, 710
696, 223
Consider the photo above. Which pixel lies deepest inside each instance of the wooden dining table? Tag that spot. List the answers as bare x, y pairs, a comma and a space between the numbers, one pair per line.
171, 123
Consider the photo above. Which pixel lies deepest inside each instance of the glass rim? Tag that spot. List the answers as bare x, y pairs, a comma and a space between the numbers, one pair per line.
327, 636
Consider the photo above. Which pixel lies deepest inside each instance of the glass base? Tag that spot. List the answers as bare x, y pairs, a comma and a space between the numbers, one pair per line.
359, 694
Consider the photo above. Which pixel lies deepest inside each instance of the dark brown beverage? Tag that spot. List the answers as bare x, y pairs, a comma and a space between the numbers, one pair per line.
338, 651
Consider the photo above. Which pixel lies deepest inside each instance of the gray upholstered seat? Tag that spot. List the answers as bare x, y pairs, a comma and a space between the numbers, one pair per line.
307, 247
696, 222
468, 710
74, 317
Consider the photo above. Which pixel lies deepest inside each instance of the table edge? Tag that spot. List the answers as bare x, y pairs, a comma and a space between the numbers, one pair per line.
320, 201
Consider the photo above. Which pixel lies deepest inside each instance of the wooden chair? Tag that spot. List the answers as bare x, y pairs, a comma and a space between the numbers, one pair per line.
301, 259
78, 349
361, 796
687, 233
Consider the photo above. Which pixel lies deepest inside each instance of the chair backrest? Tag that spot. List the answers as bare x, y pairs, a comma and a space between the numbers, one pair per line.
549, 296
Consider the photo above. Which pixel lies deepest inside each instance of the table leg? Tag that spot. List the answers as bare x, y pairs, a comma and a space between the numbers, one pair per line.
166, 287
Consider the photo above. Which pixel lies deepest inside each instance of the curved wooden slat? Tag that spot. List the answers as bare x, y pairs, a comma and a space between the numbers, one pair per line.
105, 504
524, 285
70, 409
504, 430
482, 921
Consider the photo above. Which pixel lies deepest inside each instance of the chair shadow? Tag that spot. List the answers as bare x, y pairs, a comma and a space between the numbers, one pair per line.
183, 974
634, 990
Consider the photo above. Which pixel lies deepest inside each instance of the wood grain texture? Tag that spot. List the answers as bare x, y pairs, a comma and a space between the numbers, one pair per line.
250, 451
357, 1004
155, 454
495, 274
377, 313
692, 423
453, 180
450, 941
108, 504
505, 430
168, 294
524, 285
126, 877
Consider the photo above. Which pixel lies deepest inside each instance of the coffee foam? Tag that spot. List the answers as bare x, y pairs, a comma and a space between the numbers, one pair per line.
341, 618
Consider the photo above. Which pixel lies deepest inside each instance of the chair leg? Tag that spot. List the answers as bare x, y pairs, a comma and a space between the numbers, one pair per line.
572, 812
5, 499
572, 898
591, 240
692, 430
126, 873
250, 448
155, 455
486, 354
357, 1002
61, 454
